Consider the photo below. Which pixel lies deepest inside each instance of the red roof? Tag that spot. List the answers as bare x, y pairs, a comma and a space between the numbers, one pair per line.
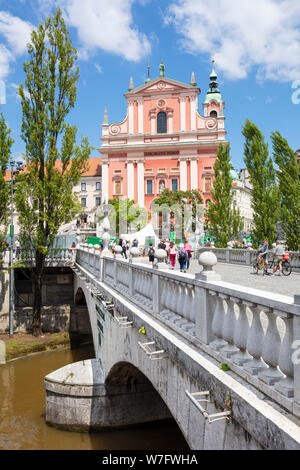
94, 168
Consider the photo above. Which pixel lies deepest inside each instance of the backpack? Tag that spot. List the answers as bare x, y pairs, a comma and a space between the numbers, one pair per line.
181, 254
151, 251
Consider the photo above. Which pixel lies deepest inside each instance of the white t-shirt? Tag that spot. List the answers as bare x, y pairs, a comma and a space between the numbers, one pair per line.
279, 250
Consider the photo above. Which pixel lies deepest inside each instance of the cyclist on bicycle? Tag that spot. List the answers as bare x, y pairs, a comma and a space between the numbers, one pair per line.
263, 251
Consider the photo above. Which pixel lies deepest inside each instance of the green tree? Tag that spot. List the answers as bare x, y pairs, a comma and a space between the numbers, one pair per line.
289, 187
6, 143
54, 162
224, 219
124, 214
182, 199
265, 195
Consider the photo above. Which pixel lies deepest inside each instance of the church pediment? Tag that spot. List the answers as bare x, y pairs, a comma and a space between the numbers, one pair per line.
161, 84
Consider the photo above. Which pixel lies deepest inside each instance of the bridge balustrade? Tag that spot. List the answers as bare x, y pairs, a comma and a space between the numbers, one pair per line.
244, 256
252, 331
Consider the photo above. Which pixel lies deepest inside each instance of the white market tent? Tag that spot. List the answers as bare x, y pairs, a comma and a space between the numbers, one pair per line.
147, 231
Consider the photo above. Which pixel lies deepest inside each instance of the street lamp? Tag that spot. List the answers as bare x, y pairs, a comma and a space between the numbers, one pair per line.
15, 169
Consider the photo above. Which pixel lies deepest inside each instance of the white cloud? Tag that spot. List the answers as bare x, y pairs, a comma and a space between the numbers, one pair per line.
104, 24
16, 32
16, 35
260, 34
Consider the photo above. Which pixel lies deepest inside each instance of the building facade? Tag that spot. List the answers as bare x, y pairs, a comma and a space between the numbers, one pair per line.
242, 197
163, 142
89, 191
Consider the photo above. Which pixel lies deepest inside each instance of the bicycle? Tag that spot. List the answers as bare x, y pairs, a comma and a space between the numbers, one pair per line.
286, 265
260, 264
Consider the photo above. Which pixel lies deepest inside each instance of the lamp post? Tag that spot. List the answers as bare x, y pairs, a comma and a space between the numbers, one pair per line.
15, 168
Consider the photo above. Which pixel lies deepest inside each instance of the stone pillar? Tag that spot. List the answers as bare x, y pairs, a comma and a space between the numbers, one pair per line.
194, 173
193, 113
183, 113
170, 122
130, 116
152, 122
130, 180
183, 175
141, 115
140, 183
104, 180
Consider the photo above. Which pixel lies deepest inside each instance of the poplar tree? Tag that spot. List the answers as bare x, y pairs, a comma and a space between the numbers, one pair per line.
5, 154
265, 195
224, 219
54, 162
289, 187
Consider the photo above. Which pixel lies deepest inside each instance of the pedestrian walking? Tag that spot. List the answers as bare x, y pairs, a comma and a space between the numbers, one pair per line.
188, 248
151, 253
172, 252
124, 247
182, 257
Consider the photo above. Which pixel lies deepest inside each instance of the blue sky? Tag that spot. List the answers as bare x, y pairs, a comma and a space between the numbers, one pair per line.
256, 45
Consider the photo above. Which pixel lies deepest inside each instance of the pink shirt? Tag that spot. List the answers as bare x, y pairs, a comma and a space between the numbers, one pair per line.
188, 247
173, 250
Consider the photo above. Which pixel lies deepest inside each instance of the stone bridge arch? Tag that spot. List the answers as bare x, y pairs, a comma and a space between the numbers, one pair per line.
142, 402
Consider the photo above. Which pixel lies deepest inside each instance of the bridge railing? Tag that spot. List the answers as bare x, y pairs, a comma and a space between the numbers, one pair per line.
57, 256
245, 256
255, 332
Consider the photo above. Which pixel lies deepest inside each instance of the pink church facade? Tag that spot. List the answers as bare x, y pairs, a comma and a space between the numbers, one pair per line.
163, 142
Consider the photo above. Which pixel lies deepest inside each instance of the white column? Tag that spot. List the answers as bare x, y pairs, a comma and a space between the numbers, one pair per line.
183, 175
140, 183
194, 173
182, 113
104, 181
153, 122
141, 116
130, 117
130, 180
193, 112
170, 122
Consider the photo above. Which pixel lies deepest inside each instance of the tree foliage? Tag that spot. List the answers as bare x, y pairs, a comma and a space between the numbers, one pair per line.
265, 195
124, 216
6, 143
54, 162
289, 187
182, 199
224, 219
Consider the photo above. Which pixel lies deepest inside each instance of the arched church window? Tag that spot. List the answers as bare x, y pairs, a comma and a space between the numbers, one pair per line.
213, 114
161, 123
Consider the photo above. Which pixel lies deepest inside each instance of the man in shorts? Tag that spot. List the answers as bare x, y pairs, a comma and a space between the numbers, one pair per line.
278, 256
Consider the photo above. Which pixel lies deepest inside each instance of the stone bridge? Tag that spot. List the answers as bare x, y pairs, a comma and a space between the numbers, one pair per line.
221, 359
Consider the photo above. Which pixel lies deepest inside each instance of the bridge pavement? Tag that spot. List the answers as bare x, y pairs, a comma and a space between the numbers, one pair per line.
243, 276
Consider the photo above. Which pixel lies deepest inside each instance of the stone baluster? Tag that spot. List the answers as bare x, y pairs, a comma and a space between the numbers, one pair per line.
182, 297
188, 303
229, 326
174, 297
271, 350
286, 385
130, 281
241, 334
165, 296
296, 356
255, 342
155, 294
218, 322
